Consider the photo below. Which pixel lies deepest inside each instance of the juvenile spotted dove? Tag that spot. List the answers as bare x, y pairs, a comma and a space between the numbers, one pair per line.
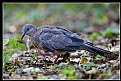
57, 39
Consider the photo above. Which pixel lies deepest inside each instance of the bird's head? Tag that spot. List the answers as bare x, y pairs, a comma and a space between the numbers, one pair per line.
27, 29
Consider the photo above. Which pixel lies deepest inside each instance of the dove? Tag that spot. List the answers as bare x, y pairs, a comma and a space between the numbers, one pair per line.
58, 40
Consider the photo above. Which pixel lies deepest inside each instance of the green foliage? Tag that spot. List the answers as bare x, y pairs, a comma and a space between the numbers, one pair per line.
109, 31
11, 47
42, 77
106, 73
101, 15
89, 64
59, 67
33, 56
68, 71
5, 41
14, 44
106, 33
6, 57
98, 56
94, 35
69, 12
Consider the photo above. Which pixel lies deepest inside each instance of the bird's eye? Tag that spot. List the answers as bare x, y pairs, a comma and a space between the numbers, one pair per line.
27, 29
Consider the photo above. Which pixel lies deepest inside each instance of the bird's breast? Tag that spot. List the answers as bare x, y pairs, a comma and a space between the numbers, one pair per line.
36, 43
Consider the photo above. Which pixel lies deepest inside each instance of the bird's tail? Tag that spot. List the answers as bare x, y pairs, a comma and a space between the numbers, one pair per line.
96, 50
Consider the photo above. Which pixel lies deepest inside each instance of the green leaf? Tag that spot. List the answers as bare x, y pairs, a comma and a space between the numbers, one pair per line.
110, 30
94, 35
33, 56
6, 57
89, 64
13, 45
106, 73
5, 41
98, 56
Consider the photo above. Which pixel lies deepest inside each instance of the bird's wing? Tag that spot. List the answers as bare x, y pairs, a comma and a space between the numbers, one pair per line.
54, 39
68, 33
62, 29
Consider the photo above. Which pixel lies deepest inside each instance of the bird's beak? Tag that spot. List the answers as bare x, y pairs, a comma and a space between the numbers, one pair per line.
23, 35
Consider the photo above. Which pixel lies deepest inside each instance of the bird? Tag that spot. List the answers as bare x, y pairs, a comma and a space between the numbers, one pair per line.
58, 40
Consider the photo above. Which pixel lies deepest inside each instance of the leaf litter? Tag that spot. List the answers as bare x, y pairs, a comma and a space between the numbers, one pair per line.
28, 65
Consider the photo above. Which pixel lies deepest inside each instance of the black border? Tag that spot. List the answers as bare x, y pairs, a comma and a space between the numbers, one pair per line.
45, 1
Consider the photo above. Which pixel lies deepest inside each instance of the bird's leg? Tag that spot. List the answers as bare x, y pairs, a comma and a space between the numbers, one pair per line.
28, 44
